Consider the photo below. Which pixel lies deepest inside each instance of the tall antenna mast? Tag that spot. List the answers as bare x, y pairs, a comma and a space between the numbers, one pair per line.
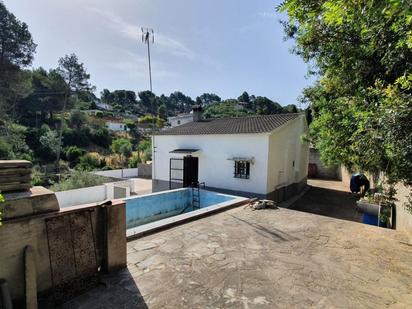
147, 37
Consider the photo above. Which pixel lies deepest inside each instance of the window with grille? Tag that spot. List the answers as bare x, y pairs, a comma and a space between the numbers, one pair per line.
242, 169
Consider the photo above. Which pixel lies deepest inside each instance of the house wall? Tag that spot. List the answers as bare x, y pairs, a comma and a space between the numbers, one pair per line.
214, 167
288, 160
179, 120
115, 126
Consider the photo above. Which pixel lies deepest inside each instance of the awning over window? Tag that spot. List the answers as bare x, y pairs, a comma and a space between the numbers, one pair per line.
184, 151
244, 159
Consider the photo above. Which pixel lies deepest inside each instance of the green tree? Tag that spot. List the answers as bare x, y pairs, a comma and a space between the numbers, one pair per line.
162, 111
207, 98
265, 106
16, 52
361, 52
123, 147
148, 101
291, 108
133, 131
50, 142
77, 118
244, 97
46, 96
77, 79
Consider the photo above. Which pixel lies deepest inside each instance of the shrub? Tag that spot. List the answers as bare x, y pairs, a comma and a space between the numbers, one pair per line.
101, 137
134, 160
99, 114
73, 153
78, 118
50, 142
5, 149
122, 146
90, 161
114, 161
76, 137
79, 179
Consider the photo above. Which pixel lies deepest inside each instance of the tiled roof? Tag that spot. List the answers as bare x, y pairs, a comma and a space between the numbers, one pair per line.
241, 125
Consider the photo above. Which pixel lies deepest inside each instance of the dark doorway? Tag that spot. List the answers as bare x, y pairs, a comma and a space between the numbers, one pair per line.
190, 171
183, 171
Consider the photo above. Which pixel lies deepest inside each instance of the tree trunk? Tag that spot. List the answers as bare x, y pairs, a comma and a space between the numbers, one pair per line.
66, 97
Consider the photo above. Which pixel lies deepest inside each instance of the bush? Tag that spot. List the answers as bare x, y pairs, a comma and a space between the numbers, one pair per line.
101, 137
73, 153
76, 137
5, 149
79, 179
50, 143
134, 160
99, 114
114, 161
13, 145
122, 146
77, 118
90, 161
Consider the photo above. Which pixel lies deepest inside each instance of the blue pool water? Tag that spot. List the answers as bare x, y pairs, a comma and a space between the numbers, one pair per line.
156, 206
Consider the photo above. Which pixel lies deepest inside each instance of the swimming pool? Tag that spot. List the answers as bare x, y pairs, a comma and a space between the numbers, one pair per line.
145, 209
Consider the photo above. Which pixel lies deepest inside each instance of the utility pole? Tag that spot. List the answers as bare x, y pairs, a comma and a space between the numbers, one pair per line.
147, 36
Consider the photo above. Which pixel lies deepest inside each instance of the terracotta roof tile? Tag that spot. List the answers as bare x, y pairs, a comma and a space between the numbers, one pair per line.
241, 125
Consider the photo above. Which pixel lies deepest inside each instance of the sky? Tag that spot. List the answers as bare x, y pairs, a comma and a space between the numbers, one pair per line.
219, 46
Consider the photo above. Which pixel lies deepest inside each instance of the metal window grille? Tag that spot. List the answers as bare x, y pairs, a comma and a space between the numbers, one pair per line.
242, 169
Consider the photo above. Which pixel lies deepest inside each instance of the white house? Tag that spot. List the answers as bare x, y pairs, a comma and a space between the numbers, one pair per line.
116, 126
179, 120
260, 156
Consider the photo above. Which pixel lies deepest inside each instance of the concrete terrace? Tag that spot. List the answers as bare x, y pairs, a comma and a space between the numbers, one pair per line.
262, 259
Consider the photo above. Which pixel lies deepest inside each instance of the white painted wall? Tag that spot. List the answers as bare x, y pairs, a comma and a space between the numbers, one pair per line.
115, 126
274, 154
97, 194
179, 120
214, 167
81, 196
286, 147
119, 173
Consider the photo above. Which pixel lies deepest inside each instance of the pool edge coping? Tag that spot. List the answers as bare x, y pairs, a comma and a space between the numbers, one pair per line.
164, 224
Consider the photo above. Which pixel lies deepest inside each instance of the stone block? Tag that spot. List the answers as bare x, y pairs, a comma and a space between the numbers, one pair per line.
34, 201
116, 237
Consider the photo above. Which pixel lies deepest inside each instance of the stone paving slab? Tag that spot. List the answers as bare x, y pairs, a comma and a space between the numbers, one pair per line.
262, 259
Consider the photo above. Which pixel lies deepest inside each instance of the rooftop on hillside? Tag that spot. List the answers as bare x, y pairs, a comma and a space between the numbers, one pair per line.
240, 125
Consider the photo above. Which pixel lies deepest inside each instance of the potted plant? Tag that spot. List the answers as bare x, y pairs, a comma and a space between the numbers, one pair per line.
379, 203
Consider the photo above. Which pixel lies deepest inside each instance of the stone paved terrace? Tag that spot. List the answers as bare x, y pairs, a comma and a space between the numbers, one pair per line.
262, 259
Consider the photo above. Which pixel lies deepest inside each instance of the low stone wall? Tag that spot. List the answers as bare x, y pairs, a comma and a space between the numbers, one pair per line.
320, 171
119, 173
109, 236
81, 196
145, 170
403, 217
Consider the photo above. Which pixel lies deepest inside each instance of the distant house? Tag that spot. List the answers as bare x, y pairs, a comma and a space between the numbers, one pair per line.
103, 106
180, 119
116, 126
260, 156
